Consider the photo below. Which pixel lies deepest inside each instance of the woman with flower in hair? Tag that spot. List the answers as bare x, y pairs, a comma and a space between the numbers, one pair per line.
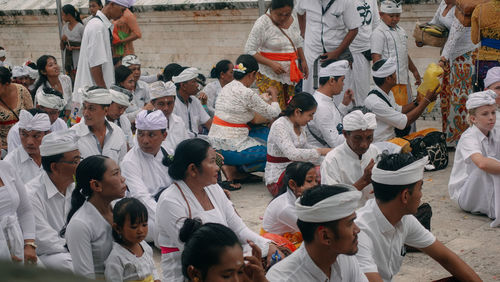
244, 150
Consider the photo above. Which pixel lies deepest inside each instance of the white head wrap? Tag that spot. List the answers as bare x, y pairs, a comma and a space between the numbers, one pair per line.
153, 121
49, 100
130, 60
32, 73
38, 122
478, 99
124, 3
388, 68
391, 7
120, 95
2, 53
330, 209
492, 76
160, 89
19, 71
99, 96
409, 174
59, 142
338, 68
356, 120
186, 75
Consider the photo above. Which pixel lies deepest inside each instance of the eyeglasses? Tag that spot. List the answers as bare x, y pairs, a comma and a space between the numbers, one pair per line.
76, 161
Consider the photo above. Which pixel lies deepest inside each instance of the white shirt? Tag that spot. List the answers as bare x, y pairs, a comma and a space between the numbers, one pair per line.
122, 265
51, 210
140, 98
342, 165
238, 104
392, 42
89, 241
299, 267
280, 216
284, 142
326, 119
24, 164
265, 36
388, 118
14, 140
212, 91
172, 207
333, 26
370, 18
115, 145
126, 126
193, 114
95, 51
145, 175
176, 133
382, 245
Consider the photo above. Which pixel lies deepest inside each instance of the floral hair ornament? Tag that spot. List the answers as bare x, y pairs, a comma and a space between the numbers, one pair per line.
239, 68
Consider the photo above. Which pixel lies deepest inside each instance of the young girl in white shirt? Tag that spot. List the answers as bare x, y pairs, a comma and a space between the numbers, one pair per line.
131, 258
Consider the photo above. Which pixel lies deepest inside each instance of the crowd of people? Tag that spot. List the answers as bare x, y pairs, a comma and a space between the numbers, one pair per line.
103, 164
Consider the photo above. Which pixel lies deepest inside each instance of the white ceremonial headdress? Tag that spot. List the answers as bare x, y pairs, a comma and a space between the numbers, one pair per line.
332, 208
388, 68
59, 142
160, 89
391, 7
338, 68
38, 122
3, 53
186, 75
32, 73
130, 60
18, 71
356, 120
478, 99
49, 100
492, 76
120, 95
124, 3
150, 121
409, 174
99, 96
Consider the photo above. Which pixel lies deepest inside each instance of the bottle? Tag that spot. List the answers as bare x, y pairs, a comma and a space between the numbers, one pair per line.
430, 82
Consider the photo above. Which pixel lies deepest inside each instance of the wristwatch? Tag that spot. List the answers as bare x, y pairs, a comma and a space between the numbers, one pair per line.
30, 244
415, 102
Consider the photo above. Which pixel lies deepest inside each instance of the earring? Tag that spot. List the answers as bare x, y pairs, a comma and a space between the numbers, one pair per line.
196, 279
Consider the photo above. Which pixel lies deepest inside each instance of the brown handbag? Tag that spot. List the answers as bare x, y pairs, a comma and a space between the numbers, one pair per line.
464, 10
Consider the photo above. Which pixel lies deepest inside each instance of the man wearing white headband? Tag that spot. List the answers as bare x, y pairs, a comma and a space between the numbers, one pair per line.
95, 65
32, 76
387, 223
326, 220
33, 125
120, 101
3, 59
492, 82
143, 166
389, 40
48, 100
330, 27
475, 178
141, 92
187, 106
163, 96
51, 197
352, 162
20, 75
324, 128
381, 102
97, 136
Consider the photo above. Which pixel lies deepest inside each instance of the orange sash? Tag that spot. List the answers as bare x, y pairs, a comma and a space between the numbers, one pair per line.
221, 122
295, 73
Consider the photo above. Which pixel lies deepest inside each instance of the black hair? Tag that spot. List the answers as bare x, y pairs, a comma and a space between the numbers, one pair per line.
248, 62
170, 71
48, 160
297, 172
117, 60
5, 75
35, 111
52, 91
90, 168
276, 4
379, 81
220, 67
363, 109
392, 162
121, 74
204, 244
42, 64
323, 80
302, 101
310, 198
32, 65
135, 209
98, 2
69, 9
189, 151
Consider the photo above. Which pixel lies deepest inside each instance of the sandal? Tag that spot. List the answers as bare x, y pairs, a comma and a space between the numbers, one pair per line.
230, 185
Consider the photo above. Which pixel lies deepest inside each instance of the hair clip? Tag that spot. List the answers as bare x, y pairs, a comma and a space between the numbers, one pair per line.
239, 68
